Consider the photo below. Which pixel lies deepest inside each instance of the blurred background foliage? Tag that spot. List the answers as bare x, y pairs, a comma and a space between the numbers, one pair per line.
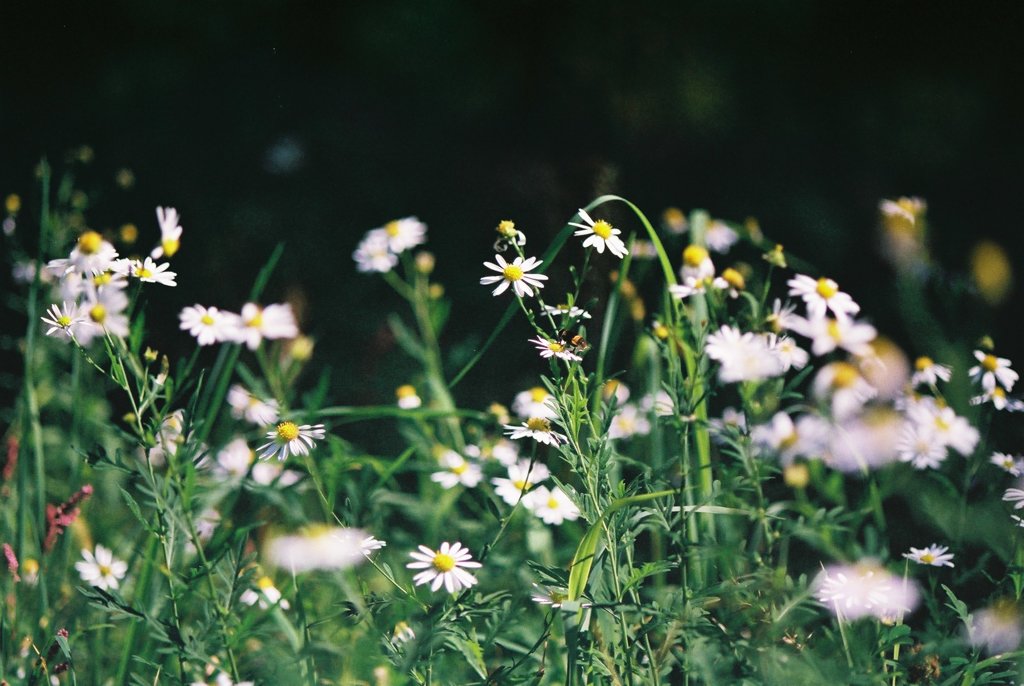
310, 123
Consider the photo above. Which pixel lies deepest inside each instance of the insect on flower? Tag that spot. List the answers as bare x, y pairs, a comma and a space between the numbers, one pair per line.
572, 340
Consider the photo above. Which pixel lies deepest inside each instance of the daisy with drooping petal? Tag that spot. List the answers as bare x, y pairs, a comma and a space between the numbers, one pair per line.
1008, 463
781, 317
992, 370
552, 348
170, 233
92, 254
401, 234
290, 439
537, 428
207, 324
149, 271
446, 566
549, 595
534, 402
934, 555
515, 274
374, 255
522, 476
101, 570
270, 322
821, 295
864, 589
456, 470
997, 628
551, 505
254, 410
1015, 496
61, 321
600, 235
927, 372
370, 544
407, 397
791, 355
317, 547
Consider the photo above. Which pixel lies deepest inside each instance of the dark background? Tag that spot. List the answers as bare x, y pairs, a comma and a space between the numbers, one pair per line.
311, 123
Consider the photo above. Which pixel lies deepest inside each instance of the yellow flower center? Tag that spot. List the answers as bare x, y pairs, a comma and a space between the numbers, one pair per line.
555, 347
105, 570
256, 321
734, 278
990, 363
602, 229
660, 331
391, 228
102, 279
460, 468
927, 558
998, 392
265, 582
941, 424
538, 394
789, 441
552, 503
826, 288
287, 431
845, 375
170, 246
206, 319
63, 321
405, 391
507, 228
513, 272
98, 313
143, 273
538, 424
89, 242
443, 563
694, 255
922, 363
521, 484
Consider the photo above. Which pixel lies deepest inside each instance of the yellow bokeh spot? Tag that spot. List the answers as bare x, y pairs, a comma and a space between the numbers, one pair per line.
265, 582
12, 203
660, 331
734, 279
405, 391
796, 475
129, 233
992, 271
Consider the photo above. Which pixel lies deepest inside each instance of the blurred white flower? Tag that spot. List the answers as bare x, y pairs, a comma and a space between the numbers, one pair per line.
535, 402
741, 356
266, 594
997, 628
208, 325
719, 236
537, 428
551, 505
934, 555
401, 234
101, 570
256, 411
864, 589
457, 470
522, 476
317, 547
373, 254
170, 233
927, 372
629, 421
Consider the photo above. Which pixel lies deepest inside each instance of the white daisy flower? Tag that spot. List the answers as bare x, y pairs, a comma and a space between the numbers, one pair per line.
522, 476
401, 234
844, 386
534, 402
549, 595
537, 428
997, 396
629, 421
105, 309
370, 544
660, 403
807, 437
407, 397
732, 421
317, 547
692, 286
207, 324
934, 555
617, 389
92, 254
781, 317
864, 440
821, 295
950, 428
270, 322
600, 235
515, 274
373, 254
551, 505
65, 321
697, 264
864, 589
402, 633
742, 356
927, 372
266, 594
254, 410
921, 447
553, 348
719, 237
828, 334
505, 452
789, 353
992, 370
274, 473
149, 271
234, 459
996, 629
1008, 463
446, 566
569, 311
457, 470
289, 438
1015, 496
170, 233
101, 570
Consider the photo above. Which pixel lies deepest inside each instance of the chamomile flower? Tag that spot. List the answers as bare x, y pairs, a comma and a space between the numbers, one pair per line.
534, 402
828, 334
927, 372
208, 325
515, 274
317, 547
407, 397
234, 459
719, 236
92, 254
170, 233
371, 544
864, 589
402, 234
101, 569
569, 311
522, 476
807, 436
265, 593
949, 428
822, 295
457, 470
791, 355
1010, 464
149, 271
290, 439
692, 286
1015, 496
105, 309
997, 628
549, 595
504, 451
844, 386
934, 555
921, 446
997, 396
374, 255
445, 566
782, 316
551, 505
742, 356
274, 473
270, 322
552, 348
697, 264
629, 421
63, 321
600, 235
248, 406
992, 370
537, 428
